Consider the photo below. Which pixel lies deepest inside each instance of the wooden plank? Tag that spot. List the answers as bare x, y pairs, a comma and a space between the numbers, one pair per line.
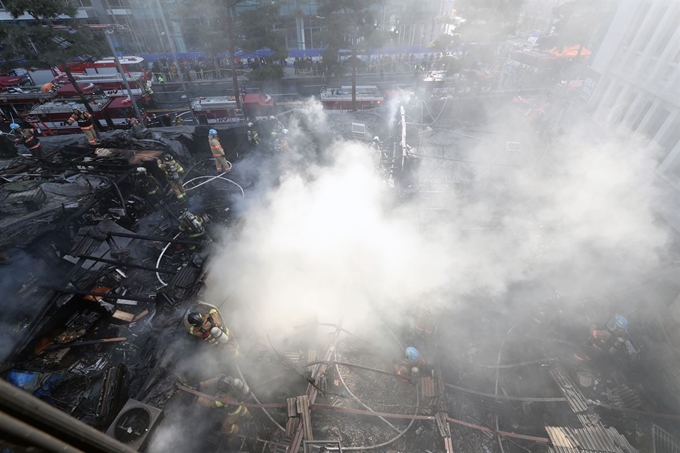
292, 410
303, 405
291, 426
123, 316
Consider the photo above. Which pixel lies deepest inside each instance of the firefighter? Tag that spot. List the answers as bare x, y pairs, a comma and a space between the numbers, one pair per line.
204, 321
147, 185
85, 123
192, 227
28, 138
253, 136
610, 339
226, 387
178, 121
411, 364
173, 173
137, 128
222, 164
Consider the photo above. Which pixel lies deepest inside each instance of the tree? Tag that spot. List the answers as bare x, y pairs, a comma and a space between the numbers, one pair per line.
349, 24
488, 20
45, 45
257, 29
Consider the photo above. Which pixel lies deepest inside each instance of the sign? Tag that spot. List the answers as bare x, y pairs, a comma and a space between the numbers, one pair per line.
590, 81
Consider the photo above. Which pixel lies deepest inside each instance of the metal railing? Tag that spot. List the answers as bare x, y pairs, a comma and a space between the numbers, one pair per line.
664, 442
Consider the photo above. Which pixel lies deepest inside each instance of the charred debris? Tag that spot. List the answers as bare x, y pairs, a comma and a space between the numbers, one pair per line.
98, 277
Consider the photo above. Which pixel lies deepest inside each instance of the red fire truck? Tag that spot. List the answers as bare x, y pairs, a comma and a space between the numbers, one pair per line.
51, 117
339, 100
112, 84
130, 65
222, 109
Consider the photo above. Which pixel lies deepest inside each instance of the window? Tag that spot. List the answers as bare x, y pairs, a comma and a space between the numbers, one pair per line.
623, 108
641, 115
658, 118
649, 31
665, 39
634, 26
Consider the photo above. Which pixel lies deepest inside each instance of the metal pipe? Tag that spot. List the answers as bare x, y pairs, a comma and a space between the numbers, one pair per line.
173, 52
32, 437
29, 409
90, 293
133, 266
122, 74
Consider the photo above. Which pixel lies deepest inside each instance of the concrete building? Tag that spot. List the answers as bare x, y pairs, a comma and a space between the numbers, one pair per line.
636, 74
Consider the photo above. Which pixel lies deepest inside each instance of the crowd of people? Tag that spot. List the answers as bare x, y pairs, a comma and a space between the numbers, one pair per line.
200, 68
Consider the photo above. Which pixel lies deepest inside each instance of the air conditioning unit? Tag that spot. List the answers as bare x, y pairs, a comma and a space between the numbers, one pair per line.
134, 423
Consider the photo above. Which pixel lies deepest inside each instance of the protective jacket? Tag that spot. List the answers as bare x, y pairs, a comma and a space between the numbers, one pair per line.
84, 120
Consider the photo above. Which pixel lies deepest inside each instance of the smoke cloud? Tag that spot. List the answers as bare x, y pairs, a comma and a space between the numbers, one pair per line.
331, 239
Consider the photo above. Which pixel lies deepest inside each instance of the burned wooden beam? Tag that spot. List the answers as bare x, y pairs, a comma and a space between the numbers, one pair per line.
124, 264
104, 295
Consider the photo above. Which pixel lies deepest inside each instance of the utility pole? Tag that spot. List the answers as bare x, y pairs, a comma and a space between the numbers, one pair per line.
173, 51
354, 59
108, 33
232, 51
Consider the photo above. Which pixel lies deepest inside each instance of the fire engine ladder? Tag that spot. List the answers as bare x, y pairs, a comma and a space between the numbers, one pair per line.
36, 122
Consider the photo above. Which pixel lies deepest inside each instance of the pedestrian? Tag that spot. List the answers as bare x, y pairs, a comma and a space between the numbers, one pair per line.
382, 75
85, 123
221, 163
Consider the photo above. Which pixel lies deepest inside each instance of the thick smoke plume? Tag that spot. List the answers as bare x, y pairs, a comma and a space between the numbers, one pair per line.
332, 240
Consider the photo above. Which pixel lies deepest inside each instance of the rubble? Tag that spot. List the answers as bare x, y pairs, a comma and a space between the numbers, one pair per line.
104, 277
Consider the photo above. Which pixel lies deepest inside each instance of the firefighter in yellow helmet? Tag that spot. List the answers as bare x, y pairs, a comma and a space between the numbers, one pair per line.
85, 123
204, 321
192, 226
229, 388
173, 173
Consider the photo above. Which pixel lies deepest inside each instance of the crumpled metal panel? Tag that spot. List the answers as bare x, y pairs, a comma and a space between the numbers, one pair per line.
592, 439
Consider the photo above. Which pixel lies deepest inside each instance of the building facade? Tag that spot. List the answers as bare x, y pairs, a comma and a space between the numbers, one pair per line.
637, 68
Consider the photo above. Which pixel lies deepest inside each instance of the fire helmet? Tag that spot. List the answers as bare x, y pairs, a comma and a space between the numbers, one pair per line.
76, 108
250, 124
14, 126
168, 157
212, 132
618, 322
195, 318
412, 354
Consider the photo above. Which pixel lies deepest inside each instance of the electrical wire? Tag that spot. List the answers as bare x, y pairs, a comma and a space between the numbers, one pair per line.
211, 178
160, 257
269, 416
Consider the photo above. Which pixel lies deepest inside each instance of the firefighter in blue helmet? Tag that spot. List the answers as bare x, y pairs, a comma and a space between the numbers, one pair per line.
28, 138
221, 163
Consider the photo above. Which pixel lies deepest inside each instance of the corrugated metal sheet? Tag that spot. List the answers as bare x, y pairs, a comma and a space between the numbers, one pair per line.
575, 398
592, 439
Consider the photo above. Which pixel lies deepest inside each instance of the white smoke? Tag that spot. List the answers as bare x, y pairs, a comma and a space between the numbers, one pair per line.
329, 240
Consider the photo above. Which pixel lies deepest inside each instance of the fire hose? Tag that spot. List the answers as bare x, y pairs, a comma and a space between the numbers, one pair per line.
211, 178
231, 402
160, 257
